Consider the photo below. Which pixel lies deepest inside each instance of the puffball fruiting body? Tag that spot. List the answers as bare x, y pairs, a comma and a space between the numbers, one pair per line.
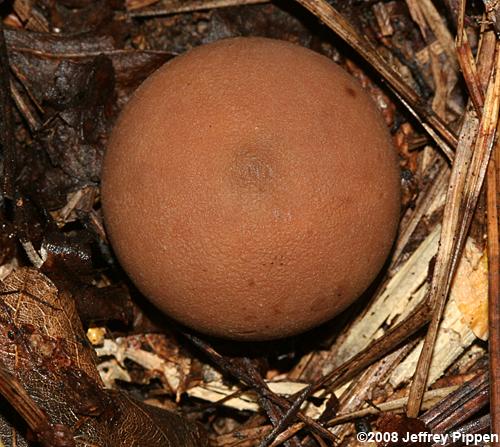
250, 189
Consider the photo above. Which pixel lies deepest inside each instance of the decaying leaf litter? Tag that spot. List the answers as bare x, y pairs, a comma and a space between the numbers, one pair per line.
414, 345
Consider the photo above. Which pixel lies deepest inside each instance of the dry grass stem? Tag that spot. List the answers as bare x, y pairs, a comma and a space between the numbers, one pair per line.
493, 189
168, 7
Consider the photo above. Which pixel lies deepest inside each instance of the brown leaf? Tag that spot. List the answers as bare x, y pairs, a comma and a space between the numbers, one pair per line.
42, 344
77, 84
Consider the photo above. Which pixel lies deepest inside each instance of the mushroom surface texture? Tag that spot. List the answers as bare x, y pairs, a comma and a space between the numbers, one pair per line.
250, 189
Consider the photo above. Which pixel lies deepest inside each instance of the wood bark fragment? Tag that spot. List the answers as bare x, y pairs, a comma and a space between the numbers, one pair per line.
430, 17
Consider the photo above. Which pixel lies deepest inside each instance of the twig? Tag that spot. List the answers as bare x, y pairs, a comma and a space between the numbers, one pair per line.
24, 108
494, 287
287, 417
427, 196
469, 69
458, 406
48, 434
81, 55
477, 426
176, 6
274, 412
430, 398
391, 405
492, 189
243, 377
16, 395
6, 121
437, 129
377, 348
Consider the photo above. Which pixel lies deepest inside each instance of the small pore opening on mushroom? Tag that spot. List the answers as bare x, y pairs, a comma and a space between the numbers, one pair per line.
351, 92
252, 170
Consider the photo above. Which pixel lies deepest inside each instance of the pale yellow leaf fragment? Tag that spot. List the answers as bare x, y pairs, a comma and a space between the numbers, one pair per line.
470, 289
461, 323
96, 335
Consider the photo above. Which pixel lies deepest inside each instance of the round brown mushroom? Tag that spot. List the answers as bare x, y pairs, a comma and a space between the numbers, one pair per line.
250, 189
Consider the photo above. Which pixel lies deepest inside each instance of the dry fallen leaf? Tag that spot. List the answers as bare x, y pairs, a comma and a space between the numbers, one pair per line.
43, 345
